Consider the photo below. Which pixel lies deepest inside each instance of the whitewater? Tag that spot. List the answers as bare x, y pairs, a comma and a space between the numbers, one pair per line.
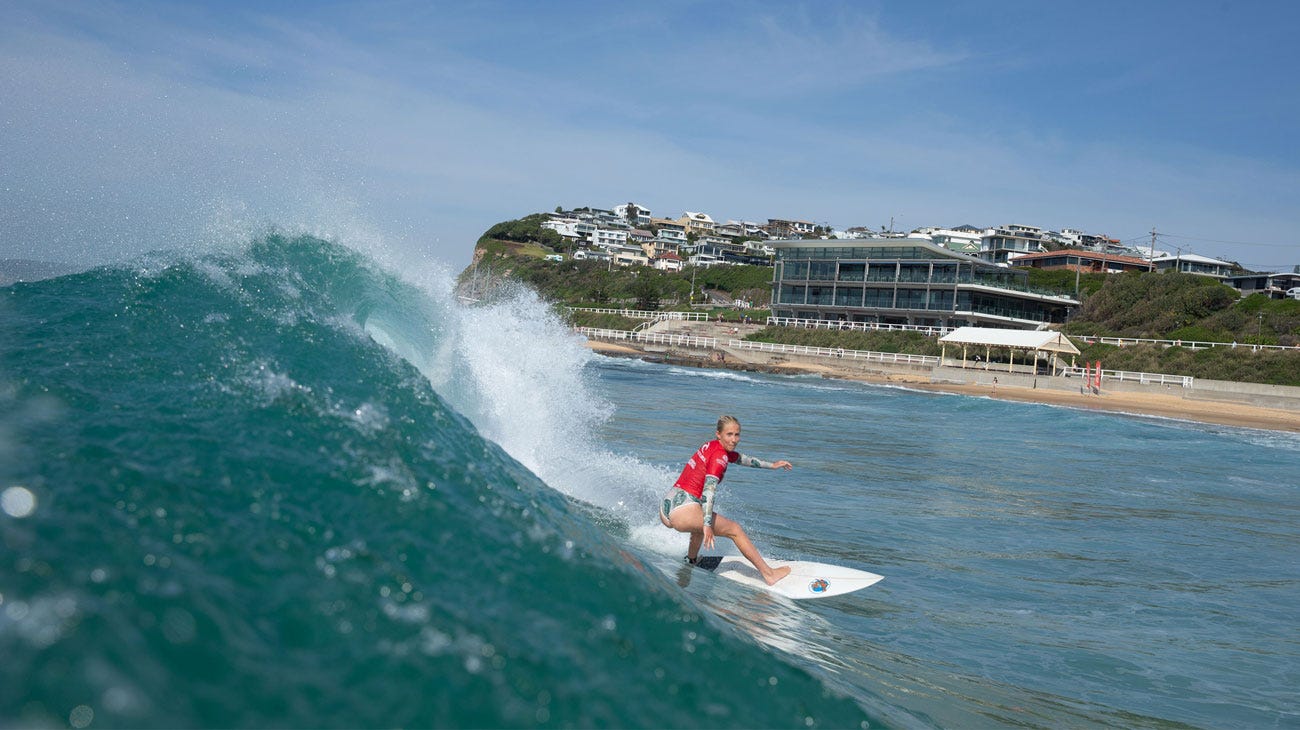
291, 485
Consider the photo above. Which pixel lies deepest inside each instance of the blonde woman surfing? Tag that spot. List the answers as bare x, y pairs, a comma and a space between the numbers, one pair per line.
688, 506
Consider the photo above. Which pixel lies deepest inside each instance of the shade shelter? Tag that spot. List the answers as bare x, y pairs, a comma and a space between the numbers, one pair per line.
1054, 344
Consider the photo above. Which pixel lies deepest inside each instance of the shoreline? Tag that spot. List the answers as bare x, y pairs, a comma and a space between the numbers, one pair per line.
1116, 401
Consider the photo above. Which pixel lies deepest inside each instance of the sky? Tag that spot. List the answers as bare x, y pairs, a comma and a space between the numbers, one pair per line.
132, 127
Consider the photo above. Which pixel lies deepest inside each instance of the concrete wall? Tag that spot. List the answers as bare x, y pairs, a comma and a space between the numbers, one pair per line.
1257, 394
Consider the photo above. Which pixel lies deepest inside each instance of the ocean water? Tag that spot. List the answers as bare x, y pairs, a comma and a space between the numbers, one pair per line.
285, 486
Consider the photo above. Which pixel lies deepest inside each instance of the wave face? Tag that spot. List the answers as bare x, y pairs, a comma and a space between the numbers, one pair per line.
287, 488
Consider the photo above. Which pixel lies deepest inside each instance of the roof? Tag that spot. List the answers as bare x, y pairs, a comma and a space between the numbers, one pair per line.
1096, 255
1192, 257
1044, 340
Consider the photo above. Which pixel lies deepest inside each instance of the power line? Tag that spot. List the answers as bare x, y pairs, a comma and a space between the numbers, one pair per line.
1215, 240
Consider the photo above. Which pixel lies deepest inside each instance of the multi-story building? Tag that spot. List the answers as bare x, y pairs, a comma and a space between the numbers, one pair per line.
716, 240
697, 223
905, 281
963, 239
610, 237
669, 262
669, 230
637, 215
1000, 244
586, 231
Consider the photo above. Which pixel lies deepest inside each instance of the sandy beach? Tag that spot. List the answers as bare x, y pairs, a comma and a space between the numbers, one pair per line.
1141, 404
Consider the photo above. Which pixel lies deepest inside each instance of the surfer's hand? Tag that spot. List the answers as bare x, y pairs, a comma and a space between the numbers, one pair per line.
782, 464
708, 536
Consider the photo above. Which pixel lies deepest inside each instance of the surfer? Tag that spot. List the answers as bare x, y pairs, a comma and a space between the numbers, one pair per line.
688, 506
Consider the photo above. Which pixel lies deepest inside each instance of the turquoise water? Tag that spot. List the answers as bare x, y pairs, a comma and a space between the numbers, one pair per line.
288, 487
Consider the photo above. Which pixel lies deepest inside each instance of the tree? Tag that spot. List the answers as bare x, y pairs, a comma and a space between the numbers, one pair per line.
647, 293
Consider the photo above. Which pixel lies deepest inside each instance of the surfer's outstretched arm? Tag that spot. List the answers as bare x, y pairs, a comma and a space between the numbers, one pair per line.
758, 463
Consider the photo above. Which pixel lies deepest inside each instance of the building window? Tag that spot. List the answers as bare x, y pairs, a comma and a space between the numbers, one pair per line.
848, 297
822, 271
852, 272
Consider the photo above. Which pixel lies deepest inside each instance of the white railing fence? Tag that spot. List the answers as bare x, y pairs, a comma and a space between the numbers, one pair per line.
1184, 381
835, 352
651, 338
1189, 344
831, 324
645, 314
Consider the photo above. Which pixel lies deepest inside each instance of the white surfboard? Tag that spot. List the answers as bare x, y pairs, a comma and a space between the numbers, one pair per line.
806, 579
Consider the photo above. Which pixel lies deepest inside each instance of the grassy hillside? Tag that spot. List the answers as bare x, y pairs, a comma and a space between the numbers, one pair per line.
1185, 307
591, 283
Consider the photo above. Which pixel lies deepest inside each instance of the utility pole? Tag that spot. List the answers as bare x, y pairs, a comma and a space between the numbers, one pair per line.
1153, 248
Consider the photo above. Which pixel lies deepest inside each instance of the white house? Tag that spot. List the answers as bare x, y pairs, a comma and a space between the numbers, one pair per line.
586, 231
563, 225
1190, 263
637, 215
962, 240
610, 237
669, 262
706, 260
587, 255
1000, 244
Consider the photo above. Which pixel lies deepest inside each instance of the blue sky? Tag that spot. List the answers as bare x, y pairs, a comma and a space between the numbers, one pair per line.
415, 126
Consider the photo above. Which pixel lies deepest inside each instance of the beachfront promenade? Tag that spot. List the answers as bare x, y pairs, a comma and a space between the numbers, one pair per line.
721, 345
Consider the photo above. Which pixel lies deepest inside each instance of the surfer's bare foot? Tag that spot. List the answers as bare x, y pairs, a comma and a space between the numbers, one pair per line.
776, 574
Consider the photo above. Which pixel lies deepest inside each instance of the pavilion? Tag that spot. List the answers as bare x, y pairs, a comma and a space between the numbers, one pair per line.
1054, 344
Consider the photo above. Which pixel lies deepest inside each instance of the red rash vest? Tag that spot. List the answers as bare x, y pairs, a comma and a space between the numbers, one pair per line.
711, 459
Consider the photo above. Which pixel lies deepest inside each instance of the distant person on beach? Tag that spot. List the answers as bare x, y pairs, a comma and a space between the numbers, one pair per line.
688, 506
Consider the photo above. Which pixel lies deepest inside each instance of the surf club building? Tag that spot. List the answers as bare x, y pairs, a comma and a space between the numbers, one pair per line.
905, 281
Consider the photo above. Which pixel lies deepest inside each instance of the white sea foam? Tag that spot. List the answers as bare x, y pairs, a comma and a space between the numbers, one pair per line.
515, 369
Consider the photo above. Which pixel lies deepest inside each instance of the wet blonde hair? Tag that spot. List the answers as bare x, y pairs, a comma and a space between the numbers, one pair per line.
724, 420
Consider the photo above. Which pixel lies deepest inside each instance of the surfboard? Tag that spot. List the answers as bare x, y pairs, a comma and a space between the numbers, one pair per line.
806, 579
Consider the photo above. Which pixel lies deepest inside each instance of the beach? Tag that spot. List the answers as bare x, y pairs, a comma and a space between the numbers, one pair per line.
1167, 404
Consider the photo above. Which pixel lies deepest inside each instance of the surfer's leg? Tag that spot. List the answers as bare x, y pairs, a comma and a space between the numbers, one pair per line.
688, 517
732, 529
693, 549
